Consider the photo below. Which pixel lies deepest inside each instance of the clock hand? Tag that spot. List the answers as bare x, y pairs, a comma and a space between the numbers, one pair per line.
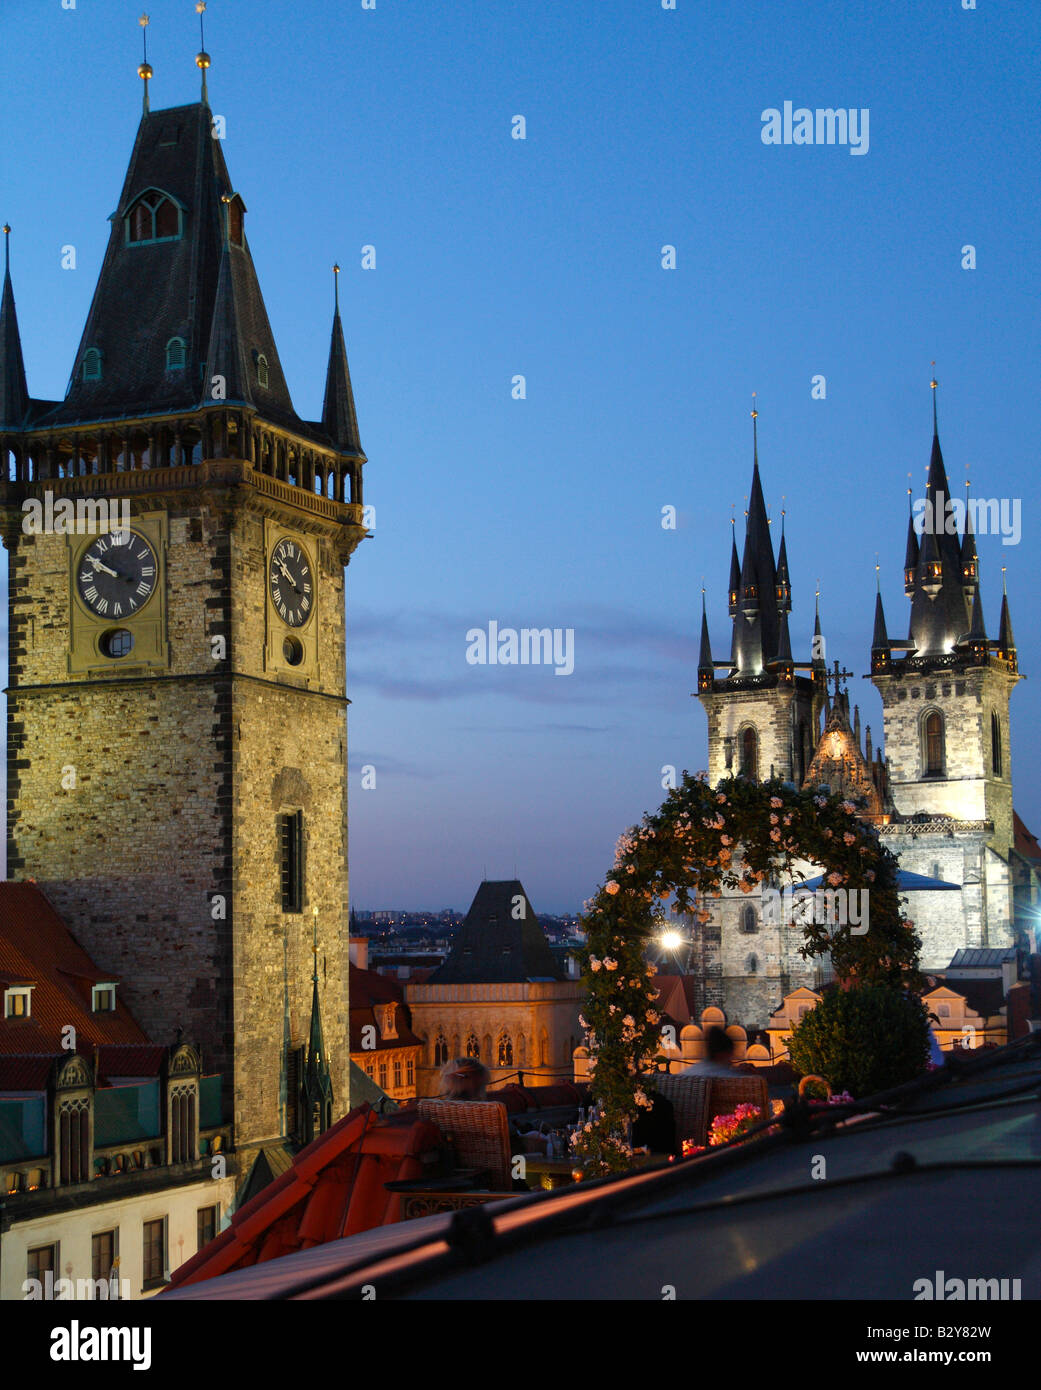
287, 575
99, 566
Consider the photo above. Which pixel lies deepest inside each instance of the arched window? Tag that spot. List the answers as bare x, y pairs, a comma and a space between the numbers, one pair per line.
995, 744
154, 217
473, 1047
74, 1141
440, 1050
932, 730
262, 373
176, 354
505, 1050
752, 964
749, 753
92, 365
749, 920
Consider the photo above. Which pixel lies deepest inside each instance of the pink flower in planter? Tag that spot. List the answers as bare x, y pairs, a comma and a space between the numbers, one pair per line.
611, 887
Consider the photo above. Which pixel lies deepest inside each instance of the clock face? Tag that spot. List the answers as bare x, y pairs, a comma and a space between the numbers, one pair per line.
117, 574
292, 582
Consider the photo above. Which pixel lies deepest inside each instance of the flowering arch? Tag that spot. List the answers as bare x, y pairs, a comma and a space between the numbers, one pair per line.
701, 841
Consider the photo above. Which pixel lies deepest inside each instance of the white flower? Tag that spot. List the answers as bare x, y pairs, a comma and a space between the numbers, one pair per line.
610, 963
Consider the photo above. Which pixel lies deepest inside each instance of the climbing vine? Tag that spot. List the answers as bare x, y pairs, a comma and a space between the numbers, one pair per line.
740, 835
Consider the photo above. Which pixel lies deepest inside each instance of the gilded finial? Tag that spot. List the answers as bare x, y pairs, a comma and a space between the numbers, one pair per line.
7, 247
144, 70
755, 435
1004, 588
934, 383
878, 567
202, 58
336, 285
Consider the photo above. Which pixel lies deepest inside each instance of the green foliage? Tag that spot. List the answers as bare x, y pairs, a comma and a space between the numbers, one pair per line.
703, 840
863, 1040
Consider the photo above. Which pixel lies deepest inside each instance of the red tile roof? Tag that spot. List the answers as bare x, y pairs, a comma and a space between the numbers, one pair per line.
36, 945
367, 989
1025, 842
25, 1073
333, 1189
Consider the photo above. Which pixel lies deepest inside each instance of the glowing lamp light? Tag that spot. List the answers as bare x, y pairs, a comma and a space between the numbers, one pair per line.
671, 940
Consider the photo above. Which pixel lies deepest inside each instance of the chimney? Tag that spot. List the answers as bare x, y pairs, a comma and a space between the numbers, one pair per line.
358, 951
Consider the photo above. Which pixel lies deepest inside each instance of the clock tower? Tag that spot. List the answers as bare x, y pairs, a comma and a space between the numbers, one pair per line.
177, 736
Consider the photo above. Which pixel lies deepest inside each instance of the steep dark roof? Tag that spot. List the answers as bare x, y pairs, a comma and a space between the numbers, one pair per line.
939, 613
756, 624
705, 653
339, 418
197, 287
496, 946
14, 394
879, 638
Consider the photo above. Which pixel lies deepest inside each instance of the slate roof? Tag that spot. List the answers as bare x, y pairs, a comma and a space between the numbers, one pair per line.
36, 946
197, 286
495, 946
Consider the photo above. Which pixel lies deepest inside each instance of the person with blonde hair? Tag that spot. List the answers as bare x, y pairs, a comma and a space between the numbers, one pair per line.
464, 1079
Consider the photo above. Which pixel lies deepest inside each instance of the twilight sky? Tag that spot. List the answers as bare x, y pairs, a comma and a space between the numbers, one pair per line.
497, 258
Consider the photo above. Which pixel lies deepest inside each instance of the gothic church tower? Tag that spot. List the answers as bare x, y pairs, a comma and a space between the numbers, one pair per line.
945, 695
177, 705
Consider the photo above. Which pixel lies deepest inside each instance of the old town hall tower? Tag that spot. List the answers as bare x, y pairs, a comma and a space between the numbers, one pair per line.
177, 704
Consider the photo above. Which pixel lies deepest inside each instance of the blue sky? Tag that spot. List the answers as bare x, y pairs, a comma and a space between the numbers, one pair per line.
497, 257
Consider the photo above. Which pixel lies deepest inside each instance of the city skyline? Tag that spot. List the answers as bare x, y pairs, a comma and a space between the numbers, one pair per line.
497, 257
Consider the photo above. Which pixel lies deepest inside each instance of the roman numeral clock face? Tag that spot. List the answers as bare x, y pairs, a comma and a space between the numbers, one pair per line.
291, 581
117, 574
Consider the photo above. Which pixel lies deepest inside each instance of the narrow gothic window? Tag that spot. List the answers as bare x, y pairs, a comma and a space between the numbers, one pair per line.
749, 922
92, 365
934, 743
505, 1051
292, 835
473, 1047
440, 1051
995, 744
175, 354
752, 964
262, 376
749, 753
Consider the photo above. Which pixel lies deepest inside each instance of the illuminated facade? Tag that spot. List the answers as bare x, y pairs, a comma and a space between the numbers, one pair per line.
940, 793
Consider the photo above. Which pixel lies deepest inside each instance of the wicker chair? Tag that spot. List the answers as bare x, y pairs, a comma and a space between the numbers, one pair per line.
689, 1098
480, 1134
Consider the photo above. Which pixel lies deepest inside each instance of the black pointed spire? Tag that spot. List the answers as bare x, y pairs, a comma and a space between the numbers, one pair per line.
735, 571
970, 567
338, 414
14, 393
912, 552
784, 583
1006, 641
939, 612
225, 354
316, 1087
705, 668
783, 659
880, 637
818, 660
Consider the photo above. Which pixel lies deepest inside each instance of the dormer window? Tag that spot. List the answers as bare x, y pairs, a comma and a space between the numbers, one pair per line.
176, 354
154, 217
103, 998
92, 365
236, 209
262, 373
18, 1001
388, 1028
